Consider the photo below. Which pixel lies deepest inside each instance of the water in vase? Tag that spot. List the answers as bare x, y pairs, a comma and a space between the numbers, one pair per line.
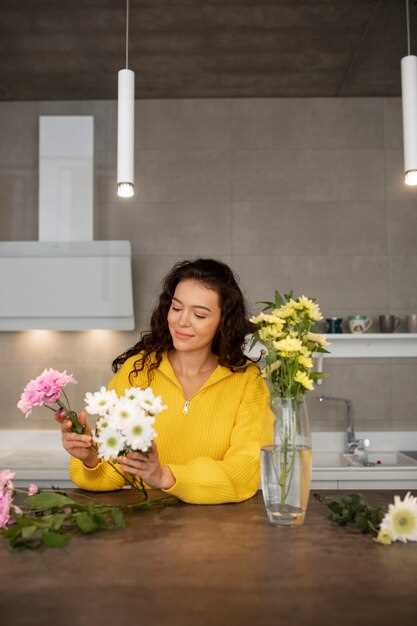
286, 478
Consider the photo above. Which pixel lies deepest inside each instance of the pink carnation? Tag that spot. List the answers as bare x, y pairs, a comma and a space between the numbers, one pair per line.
6, 494
5, 502
6, 477
45, 389
33, 489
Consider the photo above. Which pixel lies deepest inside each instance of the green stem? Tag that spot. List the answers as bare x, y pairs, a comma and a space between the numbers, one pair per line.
66, 398
131, 483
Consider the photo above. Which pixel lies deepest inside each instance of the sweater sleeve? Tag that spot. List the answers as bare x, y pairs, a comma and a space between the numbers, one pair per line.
204, 480
102, 477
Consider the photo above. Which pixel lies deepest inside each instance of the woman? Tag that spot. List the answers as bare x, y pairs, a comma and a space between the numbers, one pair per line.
218, 415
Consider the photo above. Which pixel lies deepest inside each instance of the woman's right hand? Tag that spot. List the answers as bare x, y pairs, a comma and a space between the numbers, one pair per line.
79, 446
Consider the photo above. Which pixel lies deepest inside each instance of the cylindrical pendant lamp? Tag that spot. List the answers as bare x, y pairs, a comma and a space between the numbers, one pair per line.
409, 105
126, 134
126, 125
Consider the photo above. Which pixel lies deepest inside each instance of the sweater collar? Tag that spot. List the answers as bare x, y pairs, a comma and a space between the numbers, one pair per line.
218, 374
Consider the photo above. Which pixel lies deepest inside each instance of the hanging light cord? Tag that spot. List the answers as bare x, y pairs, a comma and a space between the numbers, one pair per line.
407, 12
127, 34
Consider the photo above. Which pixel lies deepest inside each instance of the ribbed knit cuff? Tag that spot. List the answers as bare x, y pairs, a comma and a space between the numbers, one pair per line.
92, 469
102, 477
175, 490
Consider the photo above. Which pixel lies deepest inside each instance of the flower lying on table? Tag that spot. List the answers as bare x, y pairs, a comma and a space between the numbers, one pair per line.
398, 524
49, 517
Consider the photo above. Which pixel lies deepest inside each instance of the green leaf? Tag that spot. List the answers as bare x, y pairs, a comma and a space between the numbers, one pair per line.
44, 501
100, 520
118, 518
28, 531
57, 520
11, 533
85, 522
279, 300
269, 305
55, 540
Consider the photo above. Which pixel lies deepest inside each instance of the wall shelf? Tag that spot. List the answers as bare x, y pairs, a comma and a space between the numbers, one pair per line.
368, 345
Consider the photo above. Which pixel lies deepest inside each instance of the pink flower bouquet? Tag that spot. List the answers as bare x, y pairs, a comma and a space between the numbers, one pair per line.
48, 390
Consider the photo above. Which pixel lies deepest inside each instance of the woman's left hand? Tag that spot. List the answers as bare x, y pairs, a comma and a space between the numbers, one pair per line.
148, 467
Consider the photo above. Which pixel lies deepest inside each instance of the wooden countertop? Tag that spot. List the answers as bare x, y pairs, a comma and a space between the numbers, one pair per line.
221, 565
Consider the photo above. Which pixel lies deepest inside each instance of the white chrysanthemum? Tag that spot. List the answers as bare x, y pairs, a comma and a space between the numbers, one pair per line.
139, 434
101, 402
124, 411
150, 403
110, 443
104, 422
134, 394
401, 520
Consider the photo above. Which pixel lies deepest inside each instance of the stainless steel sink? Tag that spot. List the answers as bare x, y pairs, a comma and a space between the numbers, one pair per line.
376, 459
329, 459
382, 459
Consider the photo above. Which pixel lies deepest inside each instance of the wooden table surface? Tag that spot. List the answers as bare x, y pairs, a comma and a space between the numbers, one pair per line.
217, 565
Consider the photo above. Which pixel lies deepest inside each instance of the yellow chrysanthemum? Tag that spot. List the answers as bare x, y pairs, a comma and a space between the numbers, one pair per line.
289, 344
305, 361
311, 308
286, 310
317, 338
304, 380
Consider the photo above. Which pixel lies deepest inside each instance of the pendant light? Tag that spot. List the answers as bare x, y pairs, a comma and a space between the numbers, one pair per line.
126, 126
409, 105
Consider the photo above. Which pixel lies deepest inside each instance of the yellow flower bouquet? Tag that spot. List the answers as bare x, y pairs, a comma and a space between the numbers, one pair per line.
284, 327
289, 343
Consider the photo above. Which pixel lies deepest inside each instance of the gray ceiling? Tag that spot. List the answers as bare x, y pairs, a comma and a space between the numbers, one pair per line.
71, 50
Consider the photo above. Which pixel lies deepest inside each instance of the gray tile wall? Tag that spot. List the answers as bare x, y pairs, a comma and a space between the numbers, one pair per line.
294, 193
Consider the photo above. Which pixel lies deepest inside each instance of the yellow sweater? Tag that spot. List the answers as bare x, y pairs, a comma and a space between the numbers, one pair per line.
212, 446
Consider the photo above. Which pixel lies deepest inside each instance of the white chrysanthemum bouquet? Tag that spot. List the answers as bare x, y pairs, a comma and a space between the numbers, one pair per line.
125, 423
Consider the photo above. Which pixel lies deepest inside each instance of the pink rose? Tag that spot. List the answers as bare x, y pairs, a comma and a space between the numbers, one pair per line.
33, 489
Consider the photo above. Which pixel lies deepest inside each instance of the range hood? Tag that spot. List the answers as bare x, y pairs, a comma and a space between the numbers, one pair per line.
66, 280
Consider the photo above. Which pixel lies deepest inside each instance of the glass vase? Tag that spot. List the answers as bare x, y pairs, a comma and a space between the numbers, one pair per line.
286, 465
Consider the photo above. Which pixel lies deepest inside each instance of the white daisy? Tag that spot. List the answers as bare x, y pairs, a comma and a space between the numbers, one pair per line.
110, 443
124, 411
104, 422
101, 402
401, 520
150, 403
139, 434
135, 394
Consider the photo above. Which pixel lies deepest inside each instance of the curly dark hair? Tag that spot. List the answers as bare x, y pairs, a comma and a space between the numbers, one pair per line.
228, 341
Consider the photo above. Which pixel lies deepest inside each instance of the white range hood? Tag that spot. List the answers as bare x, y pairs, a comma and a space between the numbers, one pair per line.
66, 280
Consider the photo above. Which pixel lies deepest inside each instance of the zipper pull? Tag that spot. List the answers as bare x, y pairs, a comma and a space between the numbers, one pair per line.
186, 406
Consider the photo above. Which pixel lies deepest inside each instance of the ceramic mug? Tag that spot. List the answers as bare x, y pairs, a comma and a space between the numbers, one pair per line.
334, 325
412, 323
389, 323
359, 323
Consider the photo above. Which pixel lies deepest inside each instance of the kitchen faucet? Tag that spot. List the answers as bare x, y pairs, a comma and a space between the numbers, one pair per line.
352, 445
